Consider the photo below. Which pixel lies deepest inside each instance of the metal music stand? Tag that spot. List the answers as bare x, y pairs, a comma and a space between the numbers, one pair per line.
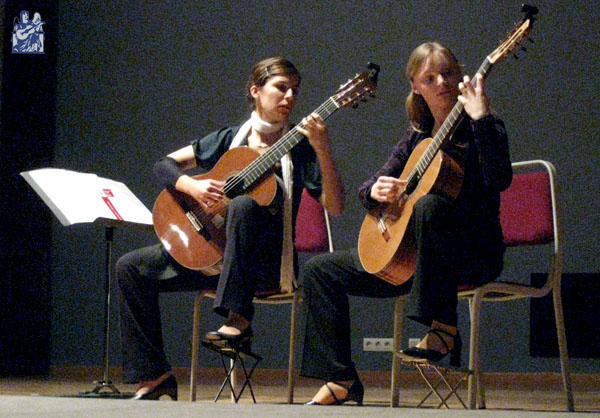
105, 388
100, 201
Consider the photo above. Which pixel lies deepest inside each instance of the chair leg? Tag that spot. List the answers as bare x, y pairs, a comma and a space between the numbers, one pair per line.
195, 344
398, 319
562, 347
233, 380
292, 355
475, 385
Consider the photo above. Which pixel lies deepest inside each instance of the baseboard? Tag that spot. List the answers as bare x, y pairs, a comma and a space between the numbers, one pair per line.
540, 381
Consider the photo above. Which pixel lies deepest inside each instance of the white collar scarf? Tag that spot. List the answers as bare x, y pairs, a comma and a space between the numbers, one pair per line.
287, 282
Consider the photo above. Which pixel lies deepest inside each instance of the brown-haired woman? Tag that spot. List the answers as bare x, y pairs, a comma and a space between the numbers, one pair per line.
457, 240
253, 251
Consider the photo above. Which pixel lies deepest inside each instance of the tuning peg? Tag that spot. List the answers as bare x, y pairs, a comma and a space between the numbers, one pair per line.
515, 56
531, 40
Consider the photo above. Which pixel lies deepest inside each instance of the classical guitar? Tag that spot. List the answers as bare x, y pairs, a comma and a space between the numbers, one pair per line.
194, 236
386, 244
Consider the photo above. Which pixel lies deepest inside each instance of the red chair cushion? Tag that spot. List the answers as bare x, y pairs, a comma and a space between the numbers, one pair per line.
311, 228
526, 210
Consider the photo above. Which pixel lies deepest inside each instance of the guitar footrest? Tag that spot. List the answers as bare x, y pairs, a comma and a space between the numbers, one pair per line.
237, 355
443, 381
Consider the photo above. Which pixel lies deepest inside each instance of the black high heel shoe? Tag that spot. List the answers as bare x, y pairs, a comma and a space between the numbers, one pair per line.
240, 341
434, 355
355, 393
166, 387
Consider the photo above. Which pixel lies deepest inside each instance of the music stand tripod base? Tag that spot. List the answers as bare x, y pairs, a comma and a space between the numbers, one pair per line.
105, 390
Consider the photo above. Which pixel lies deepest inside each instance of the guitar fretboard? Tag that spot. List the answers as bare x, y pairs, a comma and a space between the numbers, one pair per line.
245, 179
445, 132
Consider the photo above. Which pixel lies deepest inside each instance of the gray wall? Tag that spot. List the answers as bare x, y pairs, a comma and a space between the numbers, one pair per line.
138, 80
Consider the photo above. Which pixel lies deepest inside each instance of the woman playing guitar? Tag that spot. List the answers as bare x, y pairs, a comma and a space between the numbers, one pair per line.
253, 250
456, 240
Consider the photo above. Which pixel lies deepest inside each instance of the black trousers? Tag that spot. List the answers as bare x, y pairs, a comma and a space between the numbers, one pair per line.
251, 262
447, 254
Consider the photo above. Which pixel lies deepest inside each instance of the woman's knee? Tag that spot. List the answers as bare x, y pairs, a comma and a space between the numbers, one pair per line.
124, 263
315, 265
124, 267
242, 203
432, 207
312, 270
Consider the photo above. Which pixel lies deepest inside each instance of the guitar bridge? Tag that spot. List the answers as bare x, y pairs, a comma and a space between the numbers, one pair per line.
194, 221
382, 226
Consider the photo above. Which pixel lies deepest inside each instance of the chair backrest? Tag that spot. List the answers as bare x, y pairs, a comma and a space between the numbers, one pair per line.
313, 235
526, 210
529, 213
313, 232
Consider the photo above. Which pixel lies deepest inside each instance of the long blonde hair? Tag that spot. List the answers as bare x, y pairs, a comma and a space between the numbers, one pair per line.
418, 112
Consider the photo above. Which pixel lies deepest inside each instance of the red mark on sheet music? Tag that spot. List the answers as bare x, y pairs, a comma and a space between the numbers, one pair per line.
106, 195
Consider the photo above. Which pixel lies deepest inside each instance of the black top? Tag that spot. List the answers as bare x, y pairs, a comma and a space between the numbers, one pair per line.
481, 149
306, 173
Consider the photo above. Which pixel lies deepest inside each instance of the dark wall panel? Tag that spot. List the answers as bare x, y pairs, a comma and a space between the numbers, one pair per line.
27, 141
581, 311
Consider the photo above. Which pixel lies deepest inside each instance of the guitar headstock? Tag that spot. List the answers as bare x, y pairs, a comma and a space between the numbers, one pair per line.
515, 36
357, 89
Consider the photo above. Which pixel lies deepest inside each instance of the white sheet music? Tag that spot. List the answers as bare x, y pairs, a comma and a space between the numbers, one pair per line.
77, 197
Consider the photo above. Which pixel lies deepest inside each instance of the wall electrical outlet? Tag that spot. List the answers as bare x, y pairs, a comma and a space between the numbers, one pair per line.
378, 344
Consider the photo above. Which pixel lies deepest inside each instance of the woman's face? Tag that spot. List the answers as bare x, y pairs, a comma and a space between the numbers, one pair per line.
276, 99
437, 81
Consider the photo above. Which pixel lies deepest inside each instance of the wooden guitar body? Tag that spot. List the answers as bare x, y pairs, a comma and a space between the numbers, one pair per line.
195, 236
386, 243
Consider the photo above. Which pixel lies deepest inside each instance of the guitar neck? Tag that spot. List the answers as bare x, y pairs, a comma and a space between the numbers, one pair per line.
445, 132
267, 160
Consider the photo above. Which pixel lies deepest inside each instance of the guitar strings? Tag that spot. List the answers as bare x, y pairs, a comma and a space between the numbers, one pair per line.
328, 105
281, 143
449, 124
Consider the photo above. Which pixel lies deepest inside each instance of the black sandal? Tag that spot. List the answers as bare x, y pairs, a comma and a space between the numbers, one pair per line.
413, 353
355, 392
221, 339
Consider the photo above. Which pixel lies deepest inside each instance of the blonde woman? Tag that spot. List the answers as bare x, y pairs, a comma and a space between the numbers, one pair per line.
457, 240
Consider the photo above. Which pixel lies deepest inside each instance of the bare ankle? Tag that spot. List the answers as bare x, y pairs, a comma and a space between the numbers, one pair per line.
237, 321
150, 384
443, 327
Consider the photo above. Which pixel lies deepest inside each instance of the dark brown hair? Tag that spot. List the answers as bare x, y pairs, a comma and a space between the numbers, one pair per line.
268, 68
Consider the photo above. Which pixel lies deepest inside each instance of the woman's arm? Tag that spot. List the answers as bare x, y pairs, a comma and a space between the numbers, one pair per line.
387, 188
333, 193
170, 170
492, 146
